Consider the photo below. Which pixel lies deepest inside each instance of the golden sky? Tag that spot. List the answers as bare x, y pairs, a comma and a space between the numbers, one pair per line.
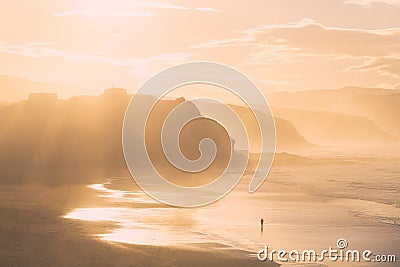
288, 45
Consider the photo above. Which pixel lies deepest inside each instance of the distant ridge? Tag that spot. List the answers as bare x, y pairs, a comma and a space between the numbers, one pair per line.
379, 105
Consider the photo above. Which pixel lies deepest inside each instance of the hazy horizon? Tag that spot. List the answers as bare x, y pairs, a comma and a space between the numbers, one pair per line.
285, 132
25, 87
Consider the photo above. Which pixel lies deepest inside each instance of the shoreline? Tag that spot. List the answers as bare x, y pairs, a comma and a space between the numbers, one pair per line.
33, 233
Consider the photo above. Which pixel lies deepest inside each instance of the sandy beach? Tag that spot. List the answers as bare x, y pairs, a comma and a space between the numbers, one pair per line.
33, 233
113, 223
174, 133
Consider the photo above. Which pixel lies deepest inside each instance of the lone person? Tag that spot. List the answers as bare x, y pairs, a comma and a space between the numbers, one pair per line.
262, 223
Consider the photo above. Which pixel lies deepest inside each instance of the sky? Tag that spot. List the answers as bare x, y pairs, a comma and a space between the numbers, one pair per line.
281, 45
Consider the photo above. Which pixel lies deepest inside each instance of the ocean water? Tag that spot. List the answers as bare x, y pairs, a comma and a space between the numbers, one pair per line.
304, 207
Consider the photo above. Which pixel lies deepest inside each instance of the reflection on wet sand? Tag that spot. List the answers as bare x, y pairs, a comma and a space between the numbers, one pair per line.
118, 195
146, 226
307, 211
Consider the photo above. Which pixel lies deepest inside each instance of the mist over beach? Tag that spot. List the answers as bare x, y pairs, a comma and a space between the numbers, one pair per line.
313, 192
305, 94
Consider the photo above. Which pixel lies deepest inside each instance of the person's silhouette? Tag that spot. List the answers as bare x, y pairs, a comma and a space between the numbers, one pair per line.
262, 224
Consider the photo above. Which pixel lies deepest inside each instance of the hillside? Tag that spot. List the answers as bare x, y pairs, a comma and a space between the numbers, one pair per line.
335, 129
381, 106
384, 110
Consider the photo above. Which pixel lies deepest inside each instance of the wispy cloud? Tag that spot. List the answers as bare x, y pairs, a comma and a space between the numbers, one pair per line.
142, 67
207, 9
140, 10
369, 3
32, 49
275, 49
92, 14
249, 37
159, 5
167, 5
310, 38
386, 66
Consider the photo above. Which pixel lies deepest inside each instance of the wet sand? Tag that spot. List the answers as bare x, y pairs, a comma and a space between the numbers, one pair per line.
305, 205
33, 232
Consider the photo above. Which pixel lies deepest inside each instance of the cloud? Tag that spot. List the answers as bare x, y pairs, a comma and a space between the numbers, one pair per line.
387, 66
245, 41
158, 5
142, 67
91, 14
369, 3
207, 9
138, 6
249, 37
32, 49
306, 47
166, 5
306, 37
